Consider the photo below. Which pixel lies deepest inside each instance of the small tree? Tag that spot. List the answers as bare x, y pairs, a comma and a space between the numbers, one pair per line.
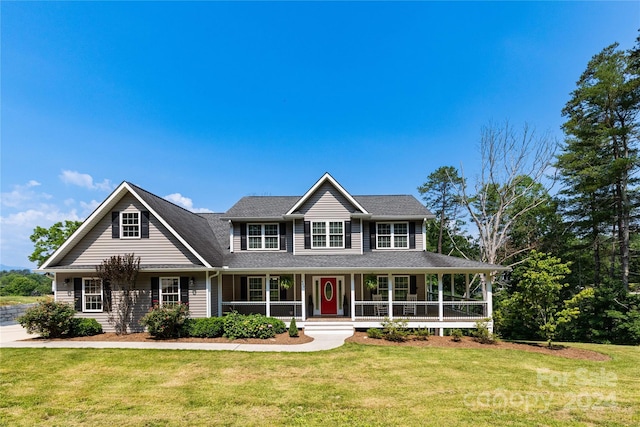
538, 282
119, 273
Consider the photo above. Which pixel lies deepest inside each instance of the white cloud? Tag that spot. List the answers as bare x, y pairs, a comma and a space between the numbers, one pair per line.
85, 180
185, 202
22, 194
90, 206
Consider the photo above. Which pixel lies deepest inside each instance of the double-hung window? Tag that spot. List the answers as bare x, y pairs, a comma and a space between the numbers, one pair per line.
400, 288
393, 235
169, 290
274, 288
130, 225
383, 287
263, 236
327, 234
91, 295
255, 288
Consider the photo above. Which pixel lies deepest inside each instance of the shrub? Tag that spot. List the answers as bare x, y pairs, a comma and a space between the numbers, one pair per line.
85, 327
374, 333
50, 319
421, 334
482, 333
278, 325
395, 330
251, 326
293, 328
208, 327
166, 321
456, 335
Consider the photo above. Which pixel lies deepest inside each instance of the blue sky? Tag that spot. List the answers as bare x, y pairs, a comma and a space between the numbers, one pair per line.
206, 102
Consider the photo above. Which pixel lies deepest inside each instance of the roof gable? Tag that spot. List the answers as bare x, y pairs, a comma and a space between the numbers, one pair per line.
189, 229
326, 178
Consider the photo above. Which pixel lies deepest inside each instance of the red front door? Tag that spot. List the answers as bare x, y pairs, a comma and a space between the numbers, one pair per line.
329, 295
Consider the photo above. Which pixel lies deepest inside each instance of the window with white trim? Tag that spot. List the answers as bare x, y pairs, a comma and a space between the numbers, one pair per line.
274, 288
327, 234
255, 288
129, 225
263, 236
91, 294
169, 290
383, 287
400, 288
392, 235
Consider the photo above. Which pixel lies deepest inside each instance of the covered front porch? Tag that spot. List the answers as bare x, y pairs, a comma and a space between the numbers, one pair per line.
444, 299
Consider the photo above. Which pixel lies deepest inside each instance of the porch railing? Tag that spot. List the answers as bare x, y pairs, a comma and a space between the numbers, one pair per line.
421, 310
284, 310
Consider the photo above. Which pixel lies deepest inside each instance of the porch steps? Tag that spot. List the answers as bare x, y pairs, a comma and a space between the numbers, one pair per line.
328, 327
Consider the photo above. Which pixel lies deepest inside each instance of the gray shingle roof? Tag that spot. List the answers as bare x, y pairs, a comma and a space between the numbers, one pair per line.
193, 228
276, 206
378, 260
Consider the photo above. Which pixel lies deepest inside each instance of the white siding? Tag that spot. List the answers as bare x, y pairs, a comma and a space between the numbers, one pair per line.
160, 248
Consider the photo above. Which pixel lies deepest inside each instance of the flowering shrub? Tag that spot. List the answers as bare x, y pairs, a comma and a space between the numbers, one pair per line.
251, 326
166, 321
50, 319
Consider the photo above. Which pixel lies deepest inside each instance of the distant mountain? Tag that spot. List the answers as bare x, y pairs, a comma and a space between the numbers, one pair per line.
8, 268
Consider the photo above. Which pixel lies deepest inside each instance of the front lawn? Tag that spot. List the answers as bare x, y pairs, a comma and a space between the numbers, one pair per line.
353, 385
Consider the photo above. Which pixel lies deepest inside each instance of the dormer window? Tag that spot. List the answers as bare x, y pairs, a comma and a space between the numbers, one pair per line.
392, 235
327, 234
263, 236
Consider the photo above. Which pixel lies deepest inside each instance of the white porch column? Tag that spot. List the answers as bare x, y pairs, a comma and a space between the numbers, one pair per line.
390, 295
490, 302
440, 305
208, 293
220, 294
303, 297
353, 297
267, 286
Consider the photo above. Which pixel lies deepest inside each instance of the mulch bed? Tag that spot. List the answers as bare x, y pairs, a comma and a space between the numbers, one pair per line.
468, 342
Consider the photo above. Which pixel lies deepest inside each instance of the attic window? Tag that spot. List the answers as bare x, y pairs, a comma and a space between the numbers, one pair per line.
130, 225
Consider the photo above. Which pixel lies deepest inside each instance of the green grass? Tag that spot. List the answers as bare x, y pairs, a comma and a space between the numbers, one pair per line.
18, 299
354, 385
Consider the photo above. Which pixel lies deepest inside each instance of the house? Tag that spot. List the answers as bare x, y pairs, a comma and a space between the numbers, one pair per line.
324, 255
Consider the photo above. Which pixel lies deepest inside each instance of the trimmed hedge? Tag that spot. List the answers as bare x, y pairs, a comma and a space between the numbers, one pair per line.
85, 327
207, 327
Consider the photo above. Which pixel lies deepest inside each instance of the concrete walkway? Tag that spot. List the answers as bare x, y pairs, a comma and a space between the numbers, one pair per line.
14, 336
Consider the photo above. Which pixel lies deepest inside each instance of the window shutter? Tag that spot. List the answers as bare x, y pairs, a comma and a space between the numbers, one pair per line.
106, 287
347, 234
77, 293
144, 225
115, 225
307, 235
413, 285
155, 291
412, 235
243, 236
184, 290
244, 291
372, 234
283, 236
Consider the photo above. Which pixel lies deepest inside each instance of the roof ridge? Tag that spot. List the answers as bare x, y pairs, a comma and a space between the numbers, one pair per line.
162, 198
